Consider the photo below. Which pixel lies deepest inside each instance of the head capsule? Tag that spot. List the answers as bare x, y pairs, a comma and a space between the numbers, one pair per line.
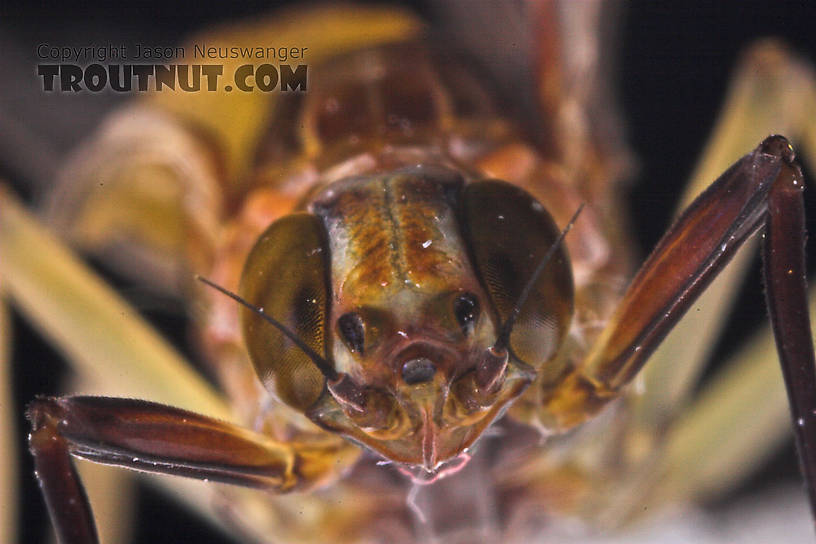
402, 282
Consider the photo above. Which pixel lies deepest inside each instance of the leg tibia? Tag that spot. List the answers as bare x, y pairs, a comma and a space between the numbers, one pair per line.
155, 438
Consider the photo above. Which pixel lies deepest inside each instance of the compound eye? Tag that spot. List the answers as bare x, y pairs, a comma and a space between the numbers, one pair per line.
466, 309
352, 331
285, 274
509, 233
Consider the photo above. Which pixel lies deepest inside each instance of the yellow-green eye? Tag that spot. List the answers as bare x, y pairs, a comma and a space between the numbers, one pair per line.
286, 275
509, 233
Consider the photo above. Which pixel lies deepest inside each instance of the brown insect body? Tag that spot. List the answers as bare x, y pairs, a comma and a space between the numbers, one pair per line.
379, 262
382, 151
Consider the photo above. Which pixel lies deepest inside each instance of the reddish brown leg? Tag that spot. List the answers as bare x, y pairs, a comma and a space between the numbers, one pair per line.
153, 438
761, 189
786, 296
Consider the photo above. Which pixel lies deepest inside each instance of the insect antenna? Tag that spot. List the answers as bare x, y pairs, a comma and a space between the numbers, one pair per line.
322, 364
503, 339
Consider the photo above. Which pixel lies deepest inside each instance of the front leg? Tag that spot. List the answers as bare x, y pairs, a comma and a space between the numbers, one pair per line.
761, 189
152, 437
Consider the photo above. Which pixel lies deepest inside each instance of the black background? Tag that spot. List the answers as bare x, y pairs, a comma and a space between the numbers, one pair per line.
675, 63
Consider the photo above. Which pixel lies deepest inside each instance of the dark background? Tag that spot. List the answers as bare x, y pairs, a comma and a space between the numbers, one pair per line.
675, 63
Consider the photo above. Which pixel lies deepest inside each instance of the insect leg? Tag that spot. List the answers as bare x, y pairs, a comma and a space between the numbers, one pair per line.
152, 437
688, 257
762, 188
718, 437
772, 92
723, 435
786, 297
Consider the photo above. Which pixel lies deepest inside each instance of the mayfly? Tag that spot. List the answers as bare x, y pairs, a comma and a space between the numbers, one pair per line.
411, 295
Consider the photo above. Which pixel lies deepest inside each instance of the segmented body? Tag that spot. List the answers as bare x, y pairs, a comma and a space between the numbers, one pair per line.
372, 112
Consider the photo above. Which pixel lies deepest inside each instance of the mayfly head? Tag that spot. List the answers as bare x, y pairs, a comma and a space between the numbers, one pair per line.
405, 310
